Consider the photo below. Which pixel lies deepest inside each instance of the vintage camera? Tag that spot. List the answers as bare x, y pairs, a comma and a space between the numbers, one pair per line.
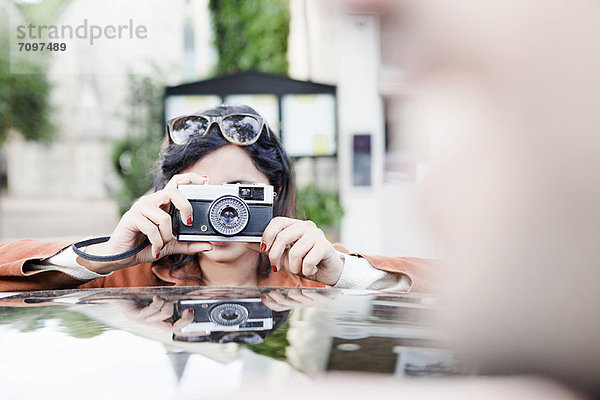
228, 213
239, 315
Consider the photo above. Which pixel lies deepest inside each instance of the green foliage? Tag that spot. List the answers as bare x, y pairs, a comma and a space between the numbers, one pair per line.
322, 207
30, 319
135, 155
250, 35
79, 326
274, 345
24, 98
43, 12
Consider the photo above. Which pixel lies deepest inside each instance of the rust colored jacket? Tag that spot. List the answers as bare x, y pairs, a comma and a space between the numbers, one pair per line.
421, 272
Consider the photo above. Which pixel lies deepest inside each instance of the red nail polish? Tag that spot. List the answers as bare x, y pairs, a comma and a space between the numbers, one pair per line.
189, 311
263, 246
158, 254
189, 221
274, 268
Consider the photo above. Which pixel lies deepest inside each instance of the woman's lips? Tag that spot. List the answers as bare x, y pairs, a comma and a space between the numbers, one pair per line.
219, 243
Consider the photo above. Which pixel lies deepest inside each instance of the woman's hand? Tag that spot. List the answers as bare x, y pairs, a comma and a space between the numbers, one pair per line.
159, 313
149, 217
285, 299
303, 249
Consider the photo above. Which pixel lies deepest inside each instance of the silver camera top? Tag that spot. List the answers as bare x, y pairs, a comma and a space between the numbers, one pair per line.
230, 212
251, 193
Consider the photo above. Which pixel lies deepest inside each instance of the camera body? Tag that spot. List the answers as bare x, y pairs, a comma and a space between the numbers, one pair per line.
226, 315
227, 213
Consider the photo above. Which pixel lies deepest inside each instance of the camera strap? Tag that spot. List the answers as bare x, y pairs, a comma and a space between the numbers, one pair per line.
77, 249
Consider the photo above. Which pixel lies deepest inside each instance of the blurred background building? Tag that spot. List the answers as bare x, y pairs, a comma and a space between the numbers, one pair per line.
66, 189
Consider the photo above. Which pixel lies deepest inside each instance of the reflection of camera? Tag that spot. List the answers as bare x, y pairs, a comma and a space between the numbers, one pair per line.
226, 315
228, 213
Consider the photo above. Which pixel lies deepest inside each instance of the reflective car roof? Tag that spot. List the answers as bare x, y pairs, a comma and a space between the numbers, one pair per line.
107, 340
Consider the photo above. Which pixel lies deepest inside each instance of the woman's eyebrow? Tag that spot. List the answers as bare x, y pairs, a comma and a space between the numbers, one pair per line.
241, 181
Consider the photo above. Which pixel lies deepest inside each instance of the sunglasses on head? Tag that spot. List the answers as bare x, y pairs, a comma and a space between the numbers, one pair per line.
238, 128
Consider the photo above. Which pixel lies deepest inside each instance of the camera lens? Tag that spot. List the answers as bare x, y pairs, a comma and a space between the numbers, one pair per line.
228, 215
228, 314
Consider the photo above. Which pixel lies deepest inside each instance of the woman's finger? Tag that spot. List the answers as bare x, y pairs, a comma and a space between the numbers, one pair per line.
187, 317
151, 309
276, 225
144, 225
167, 196
286, 236
190, 248
186, 179
272, 304
284, 301
318, 296
298, 296
127, 307
166, 311
313, 258
186, 212
297, 252
161, 219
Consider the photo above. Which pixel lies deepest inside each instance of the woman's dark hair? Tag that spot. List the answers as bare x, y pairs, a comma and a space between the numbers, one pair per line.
268, 156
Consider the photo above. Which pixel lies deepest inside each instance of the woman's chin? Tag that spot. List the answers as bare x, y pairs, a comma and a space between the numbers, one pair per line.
225, 251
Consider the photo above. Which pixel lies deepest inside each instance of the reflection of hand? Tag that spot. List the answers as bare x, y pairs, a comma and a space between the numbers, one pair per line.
149, 217
159, 313
295, 298
302, 248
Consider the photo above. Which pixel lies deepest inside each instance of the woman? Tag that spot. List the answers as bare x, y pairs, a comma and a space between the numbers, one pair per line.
226, 144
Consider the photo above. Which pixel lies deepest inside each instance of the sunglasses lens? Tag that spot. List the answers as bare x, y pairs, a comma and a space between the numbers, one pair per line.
241, 129
186, 127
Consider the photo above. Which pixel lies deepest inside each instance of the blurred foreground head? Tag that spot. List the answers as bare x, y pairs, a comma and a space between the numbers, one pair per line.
513, 91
